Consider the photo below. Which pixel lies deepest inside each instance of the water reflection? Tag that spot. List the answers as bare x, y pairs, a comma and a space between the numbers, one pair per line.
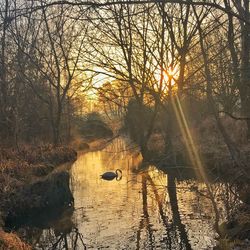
146, 209
176, 215
53, 230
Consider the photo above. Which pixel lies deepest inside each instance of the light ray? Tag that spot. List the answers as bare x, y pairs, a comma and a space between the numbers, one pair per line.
194, 156
188, 139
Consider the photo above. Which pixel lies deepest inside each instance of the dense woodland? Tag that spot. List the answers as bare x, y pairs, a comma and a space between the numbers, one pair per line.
190, 58
175, 75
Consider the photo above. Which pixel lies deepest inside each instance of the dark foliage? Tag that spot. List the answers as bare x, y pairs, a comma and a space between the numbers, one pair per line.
35, 197
93, 126
137, 120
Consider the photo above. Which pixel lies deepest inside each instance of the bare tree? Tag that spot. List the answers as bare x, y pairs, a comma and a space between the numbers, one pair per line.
55, 55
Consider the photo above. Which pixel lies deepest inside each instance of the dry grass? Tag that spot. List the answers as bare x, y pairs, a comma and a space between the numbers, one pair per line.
156, 142
208, 134
46, 154
226, 244
209, 144
10, 241
20, 167
79, 144
237, 129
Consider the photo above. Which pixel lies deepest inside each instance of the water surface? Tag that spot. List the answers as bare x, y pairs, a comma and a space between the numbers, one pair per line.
146, 209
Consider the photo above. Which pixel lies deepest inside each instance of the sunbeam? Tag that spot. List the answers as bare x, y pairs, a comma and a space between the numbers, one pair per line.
188, 138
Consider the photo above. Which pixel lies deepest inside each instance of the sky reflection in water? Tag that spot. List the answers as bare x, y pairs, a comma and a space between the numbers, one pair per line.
138, 212
146, 209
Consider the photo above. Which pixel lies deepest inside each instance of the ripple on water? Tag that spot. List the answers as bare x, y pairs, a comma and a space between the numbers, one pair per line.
137, 212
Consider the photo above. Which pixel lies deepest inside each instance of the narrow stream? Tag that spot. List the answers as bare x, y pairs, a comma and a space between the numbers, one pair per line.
146, 209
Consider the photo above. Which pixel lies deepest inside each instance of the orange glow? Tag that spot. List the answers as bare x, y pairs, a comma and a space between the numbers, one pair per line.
171, 72
166, 77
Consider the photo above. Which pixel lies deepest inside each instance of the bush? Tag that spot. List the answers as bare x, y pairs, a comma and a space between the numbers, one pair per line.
93, 126
137, 120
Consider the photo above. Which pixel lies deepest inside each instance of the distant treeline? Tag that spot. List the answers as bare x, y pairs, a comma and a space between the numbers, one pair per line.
160, 54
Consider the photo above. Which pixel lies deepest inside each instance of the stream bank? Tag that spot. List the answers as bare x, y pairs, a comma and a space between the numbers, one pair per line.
146, 209
217, 166
178, 196
31, 183
35, 183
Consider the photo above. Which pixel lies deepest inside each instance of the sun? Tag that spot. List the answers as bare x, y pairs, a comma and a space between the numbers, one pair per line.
167, 76
171, 71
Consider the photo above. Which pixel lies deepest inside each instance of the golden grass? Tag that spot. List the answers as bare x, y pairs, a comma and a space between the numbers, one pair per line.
46, 154
10, 241
18, 168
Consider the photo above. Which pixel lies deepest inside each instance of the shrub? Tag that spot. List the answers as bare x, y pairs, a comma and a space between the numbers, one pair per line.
93, 126
137, 120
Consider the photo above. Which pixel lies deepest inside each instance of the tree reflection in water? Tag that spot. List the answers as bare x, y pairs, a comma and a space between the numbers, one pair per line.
176, 235
71, 240
139, 212
53, 232
144, 222
184, 243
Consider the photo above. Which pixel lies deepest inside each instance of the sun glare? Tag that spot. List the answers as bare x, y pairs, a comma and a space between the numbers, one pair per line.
171, 71
167, 76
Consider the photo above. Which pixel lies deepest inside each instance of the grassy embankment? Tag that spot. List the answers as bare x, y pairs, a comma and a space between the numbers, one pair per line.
28, 184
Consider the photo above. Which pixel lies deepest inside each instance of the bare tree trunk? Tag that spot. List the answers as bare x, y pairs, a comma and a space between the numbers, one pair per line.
245, 64
241, 70
232, 148
3, 79
68, 120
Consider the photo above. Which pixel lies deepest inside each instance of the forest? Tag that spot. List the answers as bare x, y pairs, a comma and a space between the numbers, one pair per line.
159, 89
